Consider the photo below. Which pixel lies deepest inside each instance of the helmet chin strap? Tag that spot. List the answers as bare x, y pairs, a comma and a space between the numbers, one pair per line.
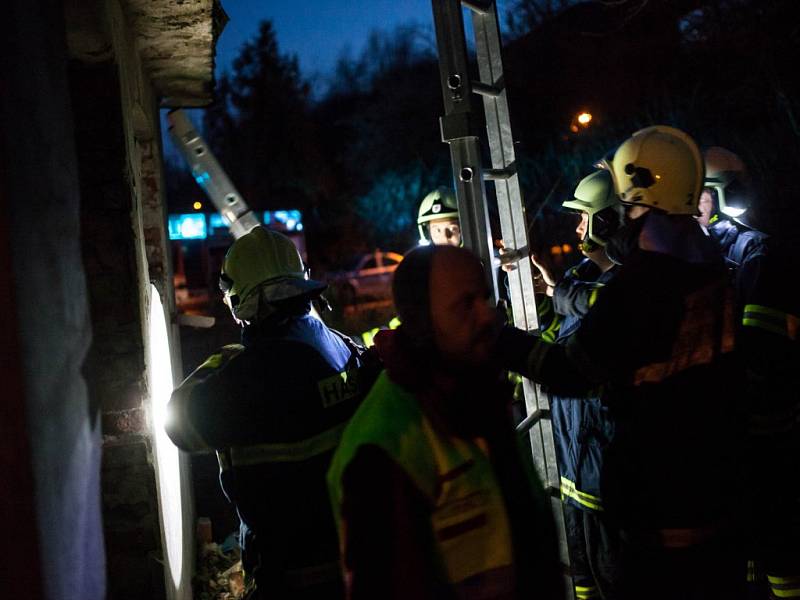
586, 245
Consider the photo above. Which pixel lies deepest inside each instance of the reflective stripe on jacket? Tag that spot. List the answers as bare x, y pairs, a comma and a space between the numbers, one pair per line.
274, 411
582, 427
468, 517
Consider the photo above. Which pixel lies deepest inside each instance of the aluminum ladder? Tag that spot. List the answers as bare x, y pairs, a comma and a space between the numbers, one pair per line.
459, 129
209, 175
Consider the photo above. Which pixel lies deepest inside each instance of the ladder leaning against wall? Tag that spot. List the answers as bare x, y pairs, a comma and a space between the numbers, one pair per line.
459, 127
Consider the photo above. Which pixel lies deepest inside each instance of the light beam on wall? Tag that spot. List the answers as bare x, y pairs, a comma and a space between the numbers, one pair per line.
167, 459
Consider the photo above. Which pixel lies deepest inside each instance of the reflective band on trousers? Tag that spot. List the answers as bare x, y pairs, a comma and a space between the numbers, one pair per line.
248, 456
784, 586
568, 490
772, 320
585, 592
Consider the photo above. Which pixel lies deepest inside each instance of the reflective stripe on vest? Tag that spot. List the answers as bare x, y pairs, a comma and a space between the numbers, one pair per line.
772, 320
568, 490
368, 337
468, 517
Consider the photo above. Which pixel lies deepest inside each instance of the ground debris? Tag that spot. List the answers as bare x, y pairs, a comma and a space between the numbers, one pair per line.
219, 574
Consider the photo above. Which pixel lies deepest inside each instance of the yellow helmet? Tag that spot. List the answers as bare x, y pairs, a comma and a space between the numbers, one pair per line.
660, 167
596, 197
263, 265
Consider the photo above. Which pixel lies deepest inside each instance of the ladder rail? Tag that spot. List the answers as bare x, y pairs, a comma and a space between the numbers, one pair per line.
459, 132
209, 175
513, 223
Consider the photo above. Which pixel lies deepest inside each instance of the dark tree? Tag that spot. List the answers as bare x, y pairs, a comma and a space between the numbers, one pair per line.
261, 129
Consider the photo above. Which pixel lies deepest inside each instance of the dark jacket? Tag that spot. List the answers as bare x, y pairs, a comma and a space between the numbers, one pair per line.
768, 311
582, 426
660, 339
274, 409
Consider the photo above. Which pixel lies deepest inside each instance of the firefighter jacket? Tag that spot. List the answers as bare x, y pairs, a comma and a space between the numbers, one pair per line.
770, 321
660, 339
274, 409
582, 426
577, 292
464, 507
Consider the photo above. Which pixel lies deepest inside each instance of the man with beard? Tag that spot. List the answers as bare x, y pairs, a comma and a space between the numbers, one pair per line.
429, 490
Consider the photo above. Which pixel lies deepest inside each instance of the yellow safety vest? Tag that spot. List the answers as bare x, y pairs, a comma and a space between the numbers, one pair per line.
469, 518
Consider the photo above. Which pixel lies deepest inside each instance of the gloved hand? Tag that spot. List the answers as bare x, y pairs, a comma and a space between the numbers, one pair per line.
513, 347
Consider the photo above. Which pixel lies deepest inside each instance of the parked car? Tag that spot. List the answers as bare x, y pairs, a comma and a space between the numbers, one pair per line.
369, 280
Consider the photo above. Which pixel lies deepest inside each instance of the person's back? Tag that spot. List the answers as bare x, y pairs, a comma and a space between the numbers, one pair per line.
274, 408
660, 340
670, 389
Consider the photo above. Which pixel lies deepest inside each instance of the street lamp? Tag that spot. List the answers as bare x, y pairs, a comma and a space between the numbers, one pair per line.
580, 121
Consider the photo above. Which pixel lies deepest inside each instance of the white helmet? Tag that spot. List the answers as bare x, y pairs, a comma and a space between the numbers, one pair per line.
660, 167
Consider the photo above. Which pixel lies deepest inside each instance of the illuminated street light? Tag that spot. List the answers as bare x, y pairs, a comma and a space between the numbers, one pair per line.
581, 121
197, 205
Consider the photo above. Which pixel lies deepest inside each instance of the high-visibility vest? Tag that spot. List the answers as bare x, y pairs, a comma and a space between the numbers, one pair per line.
468, 518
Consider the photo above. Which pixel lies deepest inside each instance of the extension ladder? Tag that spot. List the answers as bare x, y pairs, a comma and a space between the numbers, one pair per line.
459, 130
209, 175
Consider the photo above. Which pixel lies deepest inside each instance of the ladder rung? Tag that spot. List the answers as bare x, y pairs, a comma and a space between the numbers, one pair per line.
532, 419
479, 6
500, 174
483, 89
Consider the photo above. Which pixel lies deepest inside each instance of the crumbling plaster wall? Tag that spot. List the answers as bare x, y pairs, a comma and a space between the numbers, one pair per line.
125, 247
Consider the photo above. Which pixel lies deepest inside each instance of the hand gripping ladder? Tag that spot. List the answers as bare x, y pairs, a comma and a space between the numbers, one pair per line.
459, 130
209, 175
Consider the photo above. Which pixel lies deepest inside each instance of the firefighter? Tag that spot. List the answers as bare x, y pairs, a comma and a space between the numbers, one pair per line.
274, 408
770, 320
582, 426
437, 219
428, 485
438, 223
659, 343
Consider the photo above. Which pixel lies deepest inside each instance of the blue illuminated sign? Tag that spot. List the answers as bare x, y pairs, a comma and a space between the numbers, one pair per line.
193, 226
203, 178
217, 224
187, 227
284, 220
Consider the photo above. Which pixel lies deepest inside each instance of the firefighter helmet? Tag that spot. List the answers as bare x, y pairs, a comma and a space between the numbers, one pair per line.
660, 167
596, 197
727, 176
263, 265
441, 203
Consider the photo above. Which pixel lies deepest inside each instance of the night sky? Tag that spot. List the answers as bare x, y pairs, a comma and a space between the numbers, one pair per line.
317, 31
317, 34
